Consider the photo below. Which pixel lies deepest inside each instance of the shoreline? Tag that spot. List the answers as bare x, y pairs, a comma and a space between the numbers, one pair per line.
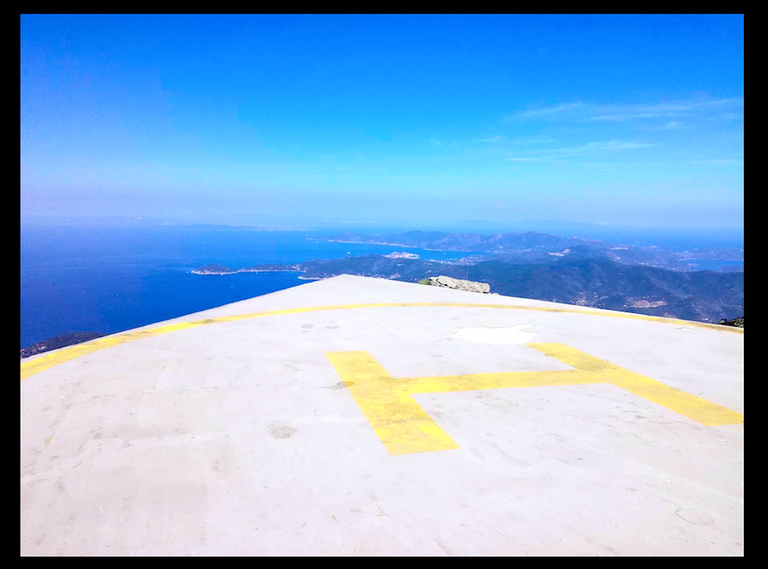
205, 273
392, 245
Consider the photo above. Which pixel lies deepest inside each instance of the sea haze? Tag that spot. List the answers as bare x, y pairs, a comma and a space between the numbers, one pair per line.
110, 279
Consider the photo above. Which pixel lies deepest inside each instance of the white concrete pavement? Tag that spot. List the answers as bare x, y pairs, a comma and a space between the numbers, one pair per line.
240, 437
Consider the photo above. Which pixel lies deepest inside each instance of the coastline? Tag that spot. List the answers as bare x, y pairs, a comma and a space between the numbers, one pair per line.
390, 245
204, 273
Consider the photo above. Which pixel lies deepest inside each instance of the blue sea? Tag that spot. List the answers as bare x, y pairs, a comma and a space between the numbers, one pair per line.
110, 279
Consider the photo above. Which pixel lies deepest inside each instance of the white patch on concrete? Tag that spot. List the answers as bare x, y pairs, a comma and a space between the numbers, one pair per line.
489, 335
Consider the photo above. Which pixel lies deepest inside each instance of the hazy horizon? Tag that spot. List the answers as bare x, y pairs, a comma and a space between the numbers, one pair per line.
620, 120
675, 238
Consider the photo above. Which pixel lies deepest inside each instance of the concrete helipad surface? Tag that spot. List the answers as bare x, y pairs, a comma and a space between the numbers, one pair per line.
356, 416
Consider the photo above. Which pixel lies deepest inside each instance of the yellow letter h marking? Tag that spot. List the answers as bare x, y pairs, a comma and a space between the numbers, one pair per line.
405, 428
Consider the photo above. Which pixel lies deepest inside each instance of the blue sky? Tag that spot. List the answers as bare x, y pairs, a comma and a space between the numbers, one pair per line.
629, 120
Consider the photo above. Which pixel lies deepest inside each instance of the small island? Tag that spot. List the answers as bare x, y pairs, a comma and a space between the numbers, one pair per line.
268, 268
213, 270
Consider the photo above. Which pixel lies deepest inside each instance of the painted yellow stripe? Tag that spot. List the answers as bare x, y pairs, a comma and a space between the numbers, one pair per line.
35, 365
405, 428
695, 408
401, 424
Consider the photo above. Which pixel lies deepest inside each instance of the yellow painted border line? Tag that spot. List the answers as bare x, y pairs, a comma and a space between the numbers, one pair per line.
32, 366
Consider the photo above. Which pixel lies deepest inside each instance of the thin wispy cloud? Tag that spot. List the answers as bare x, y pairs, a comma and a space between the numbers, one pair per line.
530, 159
588, 112
492, 140
689, 106
618, 145
591, 149
501, 140
549, 111
548, 160
601, 147
533, 141
719, 162
632, 116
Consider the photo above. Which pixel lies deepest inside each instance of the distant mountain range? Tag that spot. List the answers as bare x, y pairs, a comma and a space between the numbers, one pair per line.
532, 247
646, 280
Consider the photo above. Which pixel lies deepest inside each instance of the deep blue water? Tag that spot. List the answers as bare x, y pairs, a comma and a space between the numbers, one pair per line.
102, 279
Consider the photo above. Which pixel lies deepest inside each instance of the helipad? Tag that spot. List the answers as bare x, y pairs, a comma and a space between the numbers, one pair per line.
356, 416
